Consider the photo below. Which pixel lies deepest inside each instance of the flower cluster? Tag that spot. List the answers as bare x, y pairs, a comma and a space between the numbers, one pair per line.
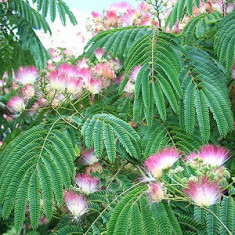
23, 81
204, 187
84, 184
120, 15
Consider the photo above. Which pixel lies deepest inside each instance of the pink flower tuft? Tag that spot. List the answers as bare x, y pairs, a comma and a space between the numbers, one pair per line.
27, 75
94, 86
88, 157
74, 85
161, 161
16, 104
157, 192
98, 53
27, 92
203, 192
76, 203
135, 72
86, 183
191, 157
57, 81
213, 155
68, 70
121, 7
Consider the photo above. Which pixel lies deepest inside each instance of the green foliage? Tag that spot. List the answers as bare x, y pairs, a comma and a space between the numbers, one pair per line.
177, 13
39, 160
108, 129
22, 46
225, 40
199, 27
187, 79
160, 135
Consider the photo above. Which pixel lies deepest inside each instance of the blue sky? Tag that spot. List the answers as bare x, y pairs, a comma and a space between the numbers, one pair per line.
95, 5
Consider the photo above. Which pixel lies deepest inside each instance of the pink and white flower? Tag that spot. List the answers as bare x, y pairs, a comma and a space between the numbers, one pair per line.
121, 7
68, 70
157, 192
135, 72
94, 86
74, 85
98, 53
27, 92
161, 161
57, 81
16, 104
203, 192
77, 204
88, 157
213, 155
27, 75
86, 183
2, 83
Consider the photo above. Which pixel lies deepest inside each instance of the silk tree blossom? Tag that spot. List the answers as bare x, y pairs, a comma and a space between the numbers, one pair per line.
157, 192
161, 161
99, 53
57, 81
120, 7
111, 19
82, 64
74, 85
130, 87
88, 157
77, 204
94, 86
213, 155
68, 70
2, 83
203, 192
86, 183
16, 104
97, 16
135, 72
27, 92
27, 75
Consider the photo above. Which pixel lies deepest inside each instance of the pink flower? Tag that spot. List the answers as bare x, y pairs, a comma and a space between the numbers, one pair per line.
97, 16
203, 192
98, 53
57, 81
1, 143
94, 86
146, 20
27, 75
2, 83
16, 104
88, 157
135, 72
111, 18
74, 85
129, 17
161, 161
77, 204
144, 6
157, 192
68, 70
105, 70
191, 157
86, 183
27, 92
213, 155
130, 87
82, 64
120, 7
